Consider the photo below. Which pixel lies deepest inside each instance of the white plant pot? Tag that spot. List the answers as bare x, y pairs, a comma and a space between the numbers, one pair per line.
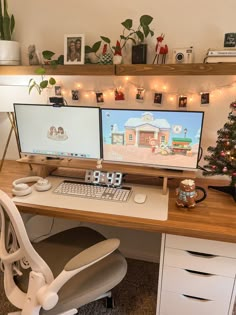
9, 53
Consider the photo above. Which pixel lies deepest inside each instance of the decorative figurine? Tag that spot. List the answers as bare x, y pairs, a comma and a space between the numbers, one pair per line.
187, 194
161, 49
106, 57
33, 57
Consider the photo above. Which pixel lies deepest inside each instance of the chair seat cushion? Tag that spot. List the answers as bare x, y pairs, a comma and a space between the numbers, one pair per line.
89, 284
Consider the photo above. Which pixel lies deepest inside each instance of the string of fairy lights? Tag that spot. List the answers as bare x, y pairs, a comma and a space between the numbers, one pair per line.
137, 91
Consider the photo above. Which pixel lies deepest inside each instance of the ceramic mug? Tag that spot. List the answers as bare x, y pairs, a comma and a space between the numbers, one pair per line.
187, 194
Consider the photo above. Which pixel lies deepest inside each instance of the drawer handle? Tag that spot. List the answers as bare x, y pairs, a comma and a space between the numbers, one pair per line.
199, 273
197, 254
196, 298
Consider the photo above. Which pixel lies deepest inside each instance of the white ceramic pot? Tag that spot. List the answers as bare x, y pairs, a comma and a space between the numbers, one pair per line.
9, 53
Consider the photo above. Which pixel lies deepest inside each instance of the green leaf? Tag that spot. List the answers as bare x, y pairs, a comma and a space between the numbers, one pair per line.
145, 20
88, 49
40, 71
47, 54
106, 39
151, 32
123, 37
31, 87
52, 81
96, 46
127, 24
12, 23
146, 30
140, 35
60, 60
43, 84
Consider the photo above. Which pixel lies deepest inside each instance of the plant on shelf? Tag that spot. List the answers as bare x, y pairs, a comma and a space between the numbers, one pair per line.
130, 33
9, 49
45, 83
7, 22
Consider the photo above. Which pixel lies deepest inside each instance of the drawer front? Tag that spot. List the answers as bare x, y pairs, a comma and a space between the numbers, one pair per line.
205, 286
201, 245
193, 261
178, 304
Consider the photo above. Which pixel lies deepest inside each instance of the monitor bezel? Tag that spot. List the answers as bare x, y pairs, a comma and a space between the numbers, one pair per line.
55, 156
156, 166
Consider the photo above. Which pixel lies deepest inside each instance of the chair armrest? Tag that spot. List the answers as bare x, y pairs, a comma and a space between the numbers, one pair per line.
47, 295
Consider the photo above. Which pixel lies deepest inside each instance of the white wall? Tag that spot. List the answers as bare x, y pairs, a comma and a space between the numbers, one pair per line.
201, 24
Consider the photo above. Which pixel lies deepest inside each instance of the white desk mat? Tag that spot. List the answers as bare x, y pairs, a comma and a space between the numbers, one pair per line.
155, 207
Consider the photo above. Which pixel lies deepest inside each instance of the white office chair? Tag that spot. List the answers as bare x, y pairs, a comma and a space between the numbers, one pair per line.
57, 275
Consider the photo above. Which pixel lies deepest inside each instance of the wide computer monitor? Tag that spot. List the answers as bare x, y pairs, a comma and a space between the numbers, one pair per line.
160, 138
66, 131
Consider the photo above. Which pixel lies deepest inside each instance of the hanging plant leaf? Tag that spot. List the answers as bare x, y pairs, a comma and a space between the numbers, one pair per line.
145, 20
127, 24
43, 84
106, 39
47, 54
52, 81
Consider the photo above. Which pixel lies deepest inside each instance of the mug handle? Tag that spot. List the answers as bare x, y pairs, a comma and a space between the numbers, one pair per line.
204, 194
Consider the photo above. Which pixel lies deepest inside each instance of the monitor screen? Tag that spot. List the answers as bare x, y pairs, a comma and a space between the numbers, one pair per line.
165, 139
66, 131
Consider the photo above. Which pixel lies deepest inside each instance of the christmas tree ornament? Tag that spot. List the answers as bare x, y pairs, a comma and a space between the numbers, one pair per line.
222, 161
106, 57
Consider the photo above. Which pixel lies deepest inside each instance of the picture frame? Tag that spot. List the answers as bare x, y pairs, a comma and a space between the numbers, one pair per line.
157, 99
183, 100
74, 46
140, 94
99, 97
205, 98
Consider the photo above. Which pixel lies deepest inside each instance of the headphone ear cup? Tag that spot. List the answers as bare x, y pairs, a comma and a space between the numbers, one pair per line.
21, 190
42, 185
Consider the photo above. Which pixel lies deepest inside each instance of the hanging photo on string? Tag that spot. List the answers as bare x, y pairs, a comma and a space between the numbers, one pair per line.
99, 97
140, 94
119, 94
205, 98
157, 98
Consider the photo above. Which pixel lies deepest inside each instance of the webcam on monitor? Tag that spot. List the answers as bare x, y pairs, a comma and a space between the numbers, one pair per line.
57, 100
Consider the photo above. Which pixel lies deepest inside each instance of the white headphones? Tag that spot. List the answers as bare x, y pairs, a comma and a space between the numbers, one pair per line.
20, 188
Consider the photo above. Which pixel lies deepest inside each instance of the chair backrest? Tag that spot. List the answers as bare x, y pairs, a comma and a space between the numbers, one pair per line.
16, 251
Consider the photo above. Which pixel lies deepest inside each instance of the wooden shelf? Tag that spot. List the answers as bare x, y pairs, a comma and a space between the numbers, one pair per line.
128, 69
177, 69
45, 167
100, 70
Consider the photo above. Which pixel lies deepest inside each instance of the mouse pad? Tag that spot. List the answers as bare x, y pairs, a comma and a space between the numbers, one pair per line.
155, 206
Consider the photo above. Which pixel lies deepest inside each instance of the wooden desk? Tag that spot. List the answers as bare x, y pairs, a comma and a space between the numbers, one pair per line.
213, 219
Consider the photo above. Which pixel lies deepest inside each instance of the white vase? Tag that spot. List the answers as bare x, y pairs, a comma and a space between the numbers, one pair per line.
9, 53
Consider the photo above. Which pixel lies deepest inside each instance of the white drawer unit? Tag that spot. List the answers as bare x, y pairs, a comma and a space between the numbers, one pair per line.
196, 276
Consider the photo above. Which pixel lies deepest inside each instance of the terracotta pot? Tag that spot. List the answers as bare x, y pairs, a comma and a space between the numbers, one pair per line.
9, 53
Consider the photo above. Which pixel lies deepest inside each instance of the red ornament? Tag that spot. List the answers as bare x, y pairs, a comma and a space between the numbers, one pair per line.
222, 153
213, 167
225, 169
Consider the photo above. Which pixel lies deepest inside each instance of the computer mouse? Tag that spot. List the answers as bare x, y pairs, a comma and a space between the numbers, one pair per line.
140, 198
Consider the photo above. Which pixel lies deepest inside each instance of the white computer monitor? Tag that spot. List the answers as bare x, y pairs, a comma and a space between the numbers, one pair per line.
58, 131
160, 138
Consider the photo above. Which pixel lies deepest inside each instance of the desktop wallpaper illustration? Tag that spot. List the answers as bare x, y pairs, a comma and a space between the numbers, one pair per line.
162, 138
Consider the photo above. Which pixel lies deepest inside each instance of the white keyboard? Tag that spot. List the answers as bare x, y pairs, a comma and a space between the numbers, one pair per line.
91, 191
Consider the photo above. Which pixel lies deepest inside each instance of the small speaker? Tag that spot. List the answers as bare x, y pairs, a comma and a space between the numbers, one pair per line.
139, 54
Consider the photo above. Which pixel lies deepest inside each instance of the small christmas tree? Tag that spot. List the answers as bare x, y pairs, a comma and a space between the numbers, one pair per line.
222, 160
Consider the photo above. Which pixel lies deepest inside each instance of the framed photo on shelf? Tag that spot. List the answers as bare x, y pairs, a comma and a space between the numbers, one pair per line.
74, 45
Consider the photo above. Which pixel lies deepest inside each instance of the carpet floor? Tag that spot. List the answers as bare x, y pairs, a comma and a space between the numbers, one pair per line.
135, 295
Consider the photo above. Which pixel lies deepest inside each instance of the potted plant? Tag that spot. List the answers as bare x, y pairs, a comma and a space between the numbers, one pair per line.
136, 35
9, 49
